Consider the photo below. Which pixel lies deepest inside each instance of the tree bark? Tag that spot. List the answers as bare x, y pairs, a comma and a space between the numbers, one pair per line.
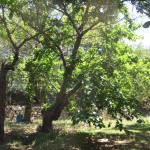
2, 104
27, 113
53, 113
5, 67
47, 124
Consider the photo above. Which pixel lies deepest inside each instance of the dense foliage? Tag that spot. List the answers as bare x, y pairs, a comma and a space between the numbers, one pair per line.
74, 52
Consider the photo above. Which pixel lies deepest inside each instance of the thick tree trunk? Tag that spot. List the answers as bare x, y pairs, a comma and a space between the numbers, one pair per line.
2, 104
53, 113
2, 117
47, 124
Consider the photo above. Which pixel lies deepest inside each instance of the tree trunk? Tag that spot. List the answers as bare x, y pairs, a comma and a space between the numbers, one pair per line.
53, 113
27, 113
1, 130
47, 124
2, 104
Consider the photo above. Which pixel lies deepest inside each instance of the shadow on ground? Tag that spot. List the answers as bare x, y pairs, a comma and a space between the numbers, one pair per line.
137, 137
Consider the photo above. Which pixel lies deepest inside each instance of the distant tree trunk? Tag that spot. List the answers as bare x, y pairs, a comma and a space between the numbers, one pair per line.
2, 104
27, 113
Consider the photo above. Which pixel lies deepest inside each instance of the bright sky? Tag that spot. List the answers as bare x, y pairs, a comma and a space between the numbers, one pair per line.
145, 32
146, 35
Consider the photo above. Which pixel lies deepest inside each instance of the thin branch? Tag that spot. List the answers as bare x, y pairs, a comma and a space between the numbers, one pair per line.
46, 76
70, 18
62, 56
85, 17
7, 29
76, 47
29, 33
59, 49
26, 40
92, 26
14, 29
73, 91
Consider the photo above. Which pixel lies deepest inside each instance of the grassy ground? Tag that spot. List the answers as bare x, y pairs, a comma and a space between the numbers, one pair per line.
79, 137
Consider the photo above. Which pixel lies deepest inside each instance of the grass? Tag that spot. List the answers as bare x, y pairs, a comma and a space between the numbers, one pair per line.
79, 137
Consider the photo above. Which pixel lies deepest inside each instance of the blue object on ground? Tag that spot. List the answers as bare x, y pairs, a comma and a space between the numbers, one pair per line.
19, 118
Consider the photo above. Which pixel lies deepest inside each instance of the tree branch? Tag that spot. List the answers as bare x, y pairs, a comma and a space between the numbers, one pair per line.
76, 47
70, 18
10, 66
7, 29
60, 51
62, 56
92, 26
85, 17
58, 47
26, 40
73, 91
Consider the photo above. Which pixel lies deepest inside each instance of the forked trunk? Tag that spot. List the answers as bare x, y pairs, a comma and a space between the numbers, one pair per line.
54, 112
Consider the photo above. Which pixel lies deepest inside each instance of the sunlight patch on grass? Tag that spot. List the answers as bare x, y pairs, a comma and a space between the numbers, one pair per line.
80, 136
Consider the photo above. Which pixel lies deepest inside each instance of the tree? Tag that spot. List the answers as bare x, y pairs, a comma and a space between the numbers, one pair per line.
77, 29
66, 29
110, 83
81, 20
143, 74
14, 36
